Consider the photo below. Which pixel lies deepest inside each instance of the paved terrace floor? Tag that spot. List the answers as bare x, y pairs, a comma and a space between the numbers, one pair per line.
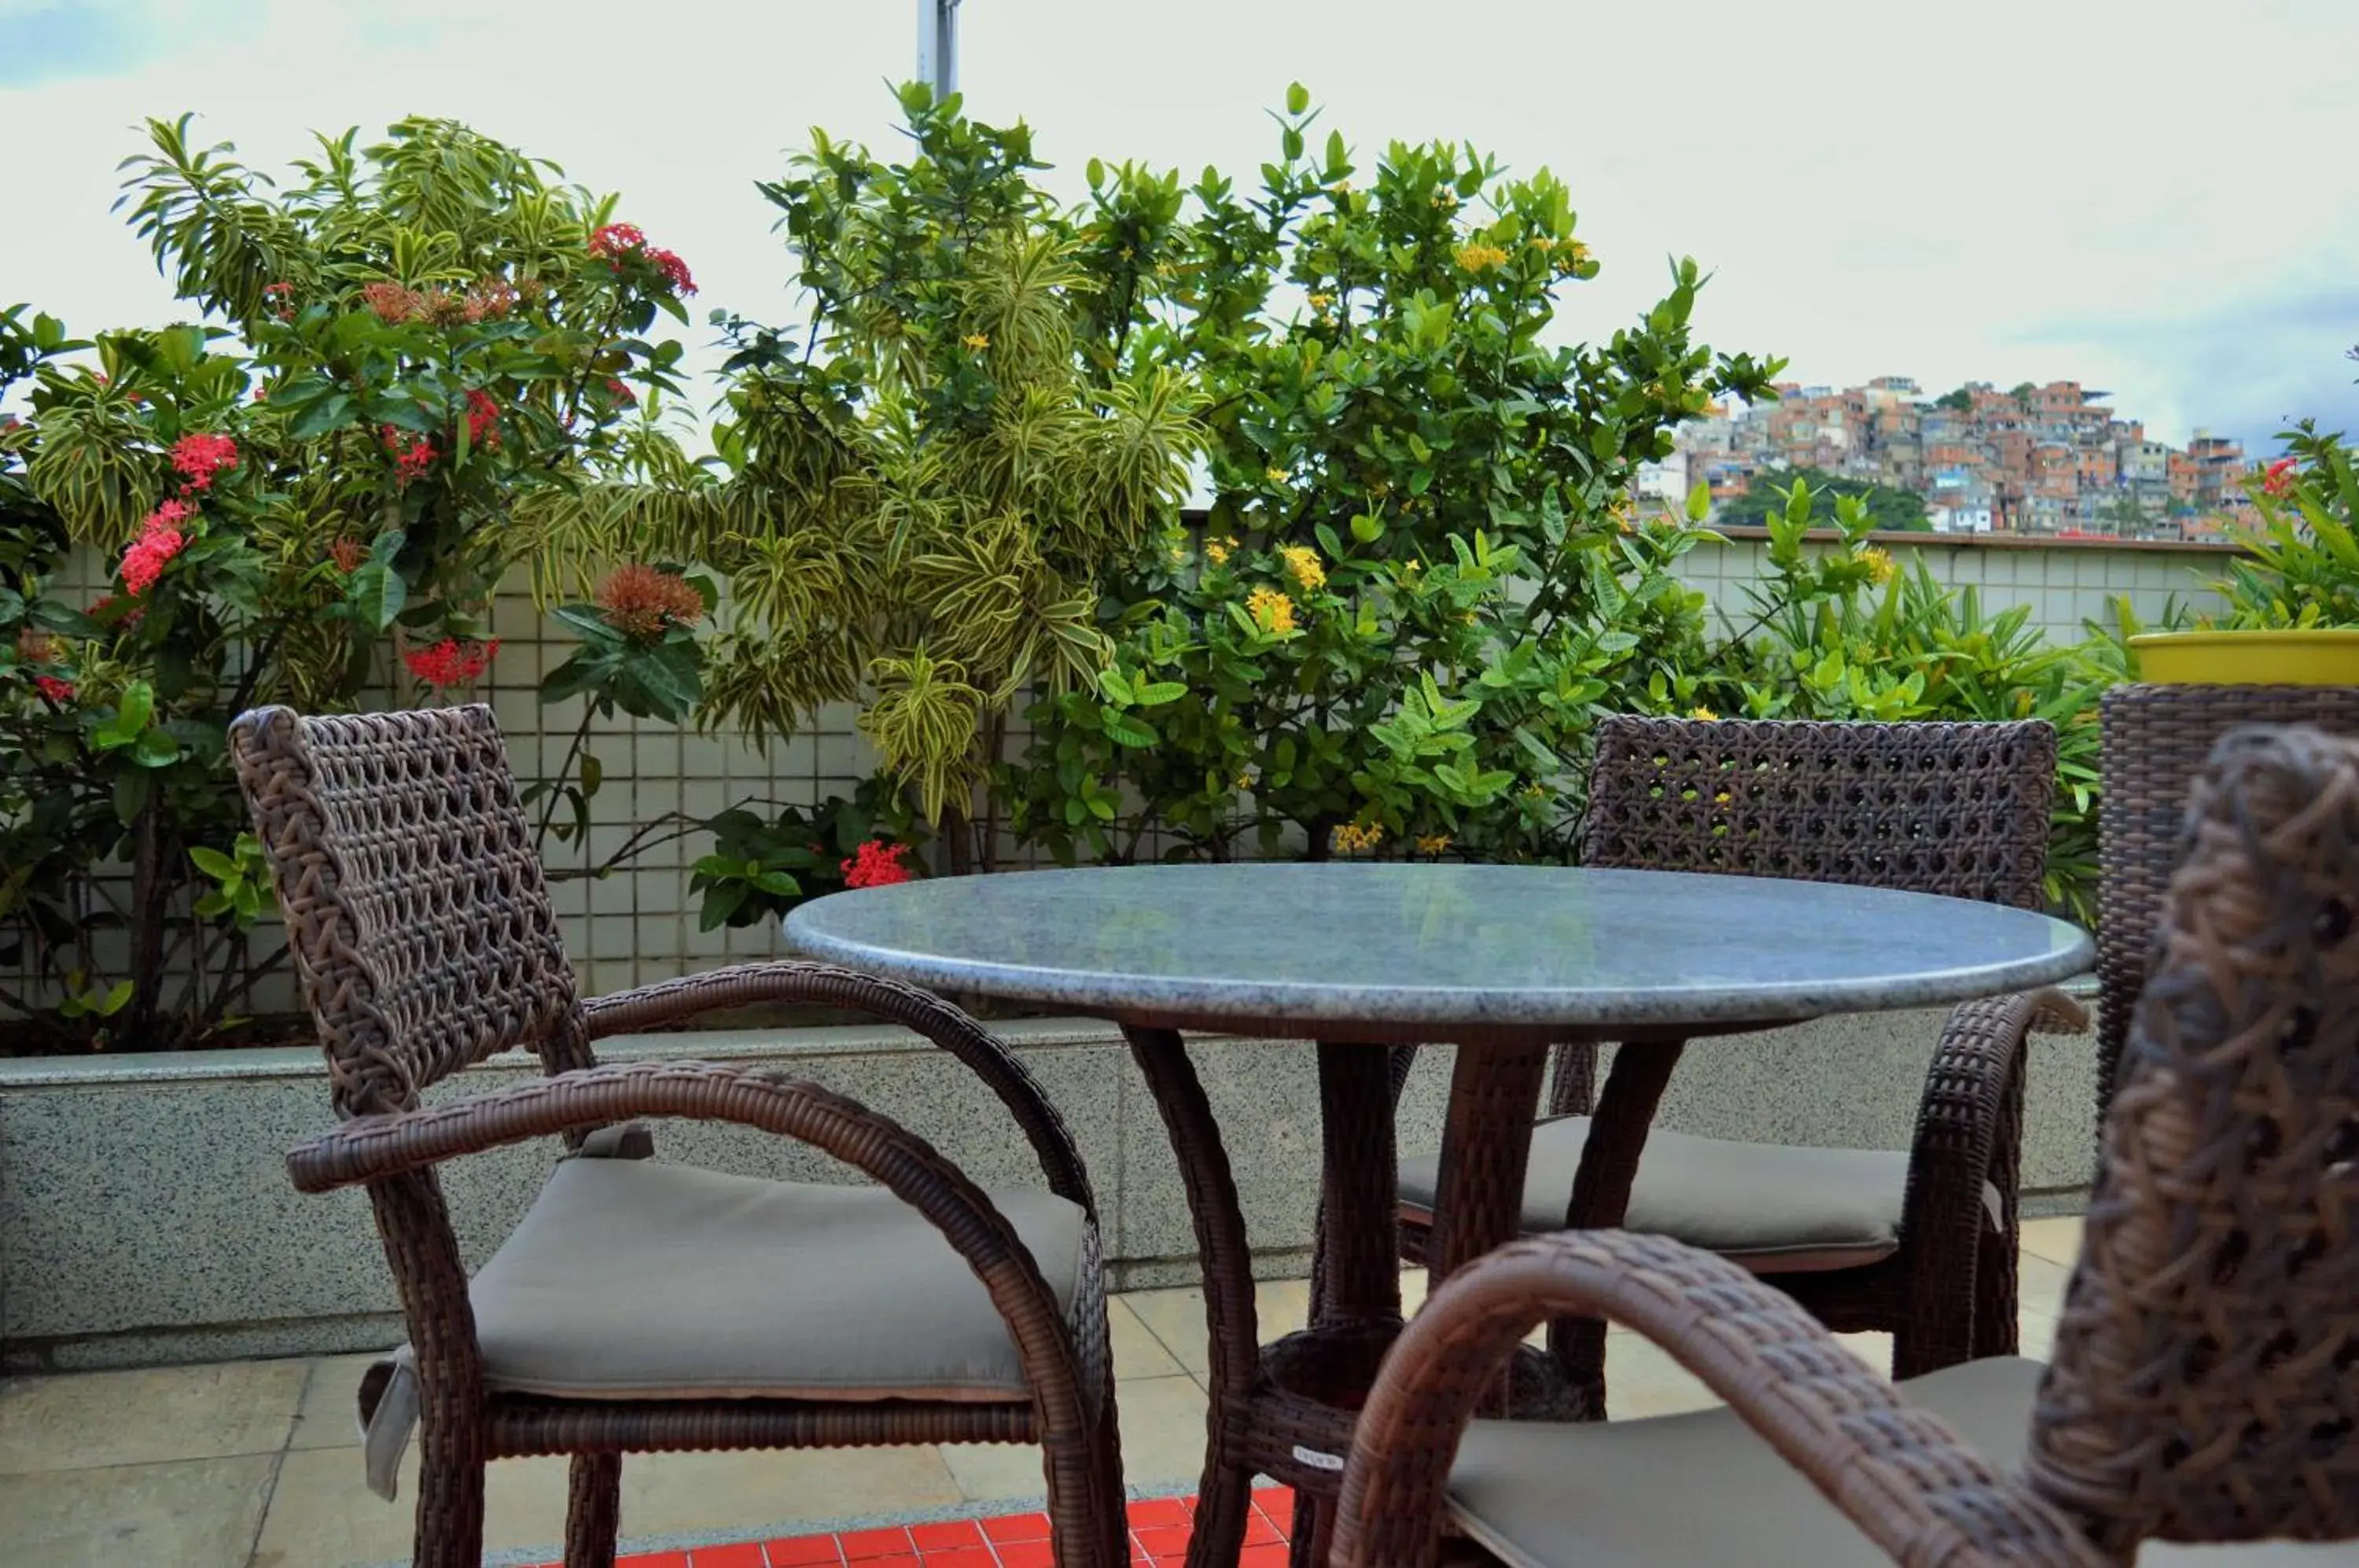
254, 1464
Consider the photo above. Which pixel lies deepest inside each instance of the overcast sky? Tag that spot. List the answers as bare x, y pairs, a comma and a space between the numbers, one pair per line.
2156, 197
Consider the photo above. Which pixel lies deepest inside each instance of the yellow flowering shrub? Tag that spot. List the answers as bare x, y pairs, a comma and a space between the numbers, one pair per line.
1302, 565
1272, 611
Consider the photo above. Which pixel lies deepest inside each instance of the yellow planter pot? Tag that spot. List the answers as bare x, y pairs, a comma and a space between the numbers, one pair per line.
2248, 658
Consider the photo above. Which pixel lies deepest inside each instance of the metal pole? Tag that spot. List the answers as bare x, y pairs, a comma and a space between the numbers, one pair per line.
938, 45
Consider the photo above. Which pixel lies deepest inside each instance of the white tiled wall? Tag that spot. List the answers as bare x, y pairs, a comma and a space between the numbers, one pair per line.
2065, 585
638, 924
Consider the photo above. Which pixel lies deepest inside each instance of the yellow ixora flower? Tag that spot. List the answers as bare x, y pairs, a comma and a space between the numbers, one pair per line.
1322, 303
1272, 611
1432, 843
1879, 563
977, 341
1351, 838
1302, 565
1244, 781
1275, 475
1704, 713
1475, 255
1218, 550
1534, 792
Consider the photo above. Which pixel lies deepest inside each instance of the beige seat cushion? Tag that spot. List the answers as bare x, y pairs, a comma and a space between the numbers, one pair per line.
634, 1279
1773, 1208
1701, 1491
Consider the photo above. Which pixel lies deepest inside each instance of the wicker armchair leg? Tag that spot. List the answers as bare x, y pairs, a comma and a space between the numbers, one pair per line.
1312, 1538
450, 1496
593, 1510
1996, 1296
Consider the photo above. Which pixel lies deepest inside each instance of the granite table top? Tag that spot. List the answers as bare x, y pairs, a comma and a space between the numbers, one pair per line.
1273, 945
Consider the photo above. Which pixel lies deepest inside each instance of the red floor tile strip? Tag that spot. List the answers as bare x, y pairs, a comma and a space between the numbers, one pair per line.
1158, 1538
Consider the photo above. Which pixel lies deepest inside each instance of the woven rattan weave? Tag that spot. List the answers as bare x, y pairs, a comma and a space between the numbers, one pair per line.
1959, 810
2156, 740
426, 942
2205, 1382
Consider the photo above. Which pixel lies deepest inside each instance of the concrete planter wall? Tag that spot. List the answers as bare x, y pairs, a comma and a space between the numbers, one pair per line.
145, 1216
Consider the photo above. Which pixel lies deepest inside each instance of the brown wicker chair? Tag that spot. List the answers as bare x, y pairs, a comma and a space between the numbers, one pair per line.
918, 1310
1920, 1244
2205, 1384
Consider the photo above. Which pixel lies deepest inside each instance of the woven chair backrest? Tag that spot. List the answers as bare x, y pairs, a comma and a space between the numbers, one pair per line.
1954, 808
415, 905
2205, 1380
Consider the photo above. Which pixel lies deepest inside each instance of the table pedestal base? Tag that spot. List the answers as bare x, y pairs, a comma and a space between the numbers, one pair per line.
1286, 1411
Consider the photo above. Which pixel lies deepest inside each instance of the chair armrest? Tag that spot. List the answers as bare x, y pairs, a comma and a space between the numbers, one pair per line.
379, 1149
1898, 1473
1969, 1134
674, 1002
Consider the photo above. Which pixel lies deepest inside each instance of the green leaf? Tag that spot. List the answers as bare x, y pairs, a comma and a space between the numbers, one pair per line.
590, 670
719, 903
1126, 729
130, 795
377, 594
139, 705
213, 863
333, 412
1298, 98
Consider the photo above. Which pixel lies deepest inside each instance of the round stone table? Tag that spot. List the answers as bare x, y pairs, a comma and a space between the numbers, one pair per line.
1504, 962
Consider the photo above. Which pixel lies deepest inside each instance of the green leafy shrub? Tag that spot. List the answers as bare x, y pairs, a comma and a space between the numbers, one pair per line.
760, 868
1421, 575
923, 483
2300, 565
430, 367
1847, 635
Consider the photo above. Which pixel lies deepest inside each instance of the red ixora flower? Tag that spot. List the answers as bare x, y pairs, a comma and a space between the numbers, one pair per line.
200, 457
618, 243
875, 864
409, 460
2279, 479
483, 420
56, 690
675, 271
617, 239
348, 554
451, 662
643, 602
160, 540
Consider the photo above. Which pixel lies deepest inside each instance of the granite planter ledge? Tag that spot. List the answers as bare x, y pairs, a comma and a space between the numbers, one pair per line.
145, 1215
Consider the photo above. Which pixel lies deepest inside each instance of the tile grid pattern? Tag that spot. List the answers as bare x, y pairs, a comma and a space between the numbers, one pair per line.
1158, 1538
2063, 587
251, 1464
638, 925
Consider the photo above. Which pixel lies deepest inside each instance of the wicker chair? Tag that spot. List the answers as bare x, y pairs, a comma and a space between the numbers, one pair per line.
918, 1310
2205, 1385
1920, 1244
